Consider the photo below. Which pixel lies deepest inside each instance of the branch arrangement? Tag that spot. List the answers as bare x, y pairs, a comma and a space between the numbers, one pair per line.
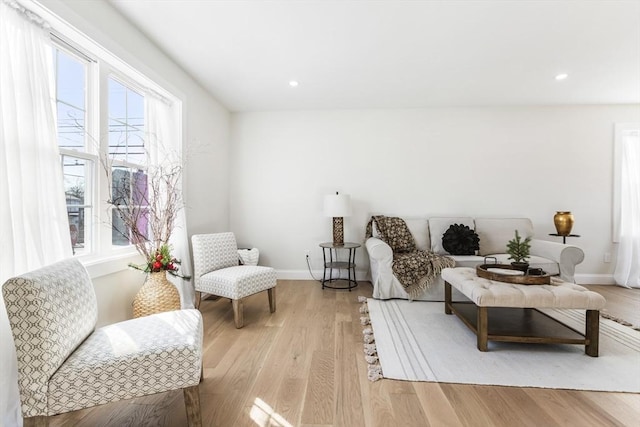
147, 203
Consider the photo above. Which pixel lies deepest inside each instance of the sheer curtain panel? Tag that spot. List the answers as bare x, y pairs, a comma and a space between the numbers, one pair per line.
34, 230
165, 147
627, 271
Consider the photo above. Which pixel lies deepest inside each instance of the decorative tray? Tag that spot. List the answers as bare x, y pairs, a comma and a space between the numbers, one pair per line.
509, 274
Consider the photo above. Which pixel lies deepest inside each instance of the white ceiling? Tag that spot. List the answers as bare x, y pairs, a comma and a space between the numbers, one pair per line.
399, 54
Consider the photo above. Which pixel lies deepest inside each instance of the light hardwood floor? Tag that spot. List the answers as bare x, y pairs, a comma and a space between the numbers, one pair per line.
304, 366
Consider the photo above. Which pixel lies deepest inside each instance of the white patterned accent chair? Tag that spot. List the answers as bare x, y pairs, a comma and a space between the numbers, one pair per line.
216, 272
65, 364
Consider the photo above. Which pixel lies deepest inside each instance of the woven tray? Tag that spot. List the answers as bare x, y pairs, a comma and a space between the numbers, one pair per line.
526, 279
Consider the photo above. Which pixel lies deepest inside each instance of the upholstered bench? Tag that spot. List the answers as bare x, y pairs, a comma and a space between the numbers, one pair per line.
508, 312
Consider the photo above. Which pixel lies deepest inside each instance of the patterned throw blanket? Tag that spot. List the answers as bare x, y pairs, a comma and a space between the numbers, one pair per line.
414, 269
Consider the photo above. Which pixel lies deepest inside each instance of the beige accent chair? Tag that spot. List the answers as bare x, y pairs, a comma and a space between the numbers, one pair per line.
216, 272
65, 364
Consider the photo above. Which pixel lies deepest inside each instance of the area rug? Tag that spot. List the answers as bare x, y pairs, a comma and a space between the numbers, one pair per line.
417, 341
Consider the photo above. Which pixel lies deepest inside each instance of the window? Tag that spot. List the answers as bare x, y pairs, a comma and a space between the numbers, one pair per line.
128, 160
94, 99
78, 161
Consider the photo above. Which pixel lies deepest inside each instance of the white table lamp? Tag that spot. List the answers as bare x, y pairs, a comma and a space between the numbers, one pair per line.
337, 206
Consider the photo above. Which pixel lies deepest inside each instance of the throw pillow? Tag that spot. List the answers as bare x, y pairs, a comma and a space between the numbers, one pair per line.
459, 239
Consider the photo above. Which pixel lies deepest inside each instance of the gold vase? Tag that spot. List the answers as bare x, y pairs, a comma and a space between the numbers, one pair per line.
156, 295
563, 222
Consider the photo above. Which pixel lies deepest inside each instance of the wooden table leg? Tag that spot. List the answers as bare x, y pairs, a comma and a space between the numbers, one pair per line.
447, 297
592, 332
483, 326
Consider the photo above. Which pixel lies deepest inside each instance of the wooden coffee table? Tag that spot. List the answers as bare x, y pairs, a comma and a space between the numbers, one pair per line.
499, 311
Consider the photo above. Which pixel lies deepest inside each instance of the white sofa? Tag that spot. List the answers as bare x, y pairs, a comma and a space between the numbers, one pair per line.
494, 233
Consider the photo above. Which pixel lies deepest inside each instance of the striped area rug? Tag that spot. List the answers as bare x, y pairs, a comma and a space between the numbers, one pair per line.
416, 341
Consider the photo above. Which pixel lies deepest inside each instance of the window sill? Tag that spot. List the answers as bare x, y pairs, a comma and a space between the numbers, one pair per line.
110, 265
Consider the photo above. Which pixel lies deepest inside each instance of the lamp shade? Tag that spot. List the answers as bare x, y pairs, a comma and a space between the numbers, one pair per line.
337, 205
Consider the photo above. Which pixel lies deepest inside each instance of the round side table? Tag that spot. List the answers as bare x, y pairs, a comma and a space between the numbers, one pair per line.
332, 263
564, 236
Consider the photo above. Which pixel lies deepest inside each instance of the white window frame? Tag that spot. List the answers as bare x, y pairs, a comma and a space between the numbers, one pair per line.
104, 258
620, 131
90, 152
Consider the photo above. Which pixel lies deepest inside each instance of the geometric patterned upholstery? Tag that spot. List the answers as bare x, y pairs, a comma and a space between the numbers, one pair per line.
137, 357
216, 271
51, 311
237, 282
64, 366
213, 252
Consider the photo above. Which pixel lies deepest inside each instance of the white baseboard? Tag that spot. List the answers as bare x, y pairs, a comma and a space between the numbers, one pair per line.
361, 275
595, 279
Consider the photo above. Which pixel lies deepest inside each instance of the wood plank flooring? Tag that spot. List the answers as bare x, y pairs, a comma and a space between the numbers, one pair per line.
621, 302
304, 366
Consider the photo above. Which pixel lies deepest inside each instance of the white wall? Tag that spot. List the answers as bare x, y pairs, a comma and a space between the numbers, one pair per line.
205, 136
528, 161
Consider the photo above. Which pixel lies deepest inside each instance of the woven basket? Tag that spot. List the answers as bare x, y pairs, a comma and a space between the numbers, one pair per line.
156, 295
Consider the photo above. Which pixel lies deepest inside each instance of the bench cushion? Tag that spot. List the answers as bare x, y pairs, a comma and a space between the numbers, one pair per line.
489, 293
133, 358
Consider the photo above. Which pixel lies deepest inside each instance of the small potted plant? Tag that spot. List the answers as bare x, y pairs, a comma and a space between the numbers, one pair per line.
518, 251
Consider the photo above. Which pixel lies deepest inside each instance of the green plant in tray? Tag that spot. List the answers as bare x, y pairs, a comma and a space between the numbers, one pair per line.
518, 249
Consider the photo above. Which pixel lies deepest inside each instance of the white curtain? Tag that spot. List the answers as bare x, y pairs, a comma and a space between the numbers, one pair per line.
34, 230
164, 120
627, 271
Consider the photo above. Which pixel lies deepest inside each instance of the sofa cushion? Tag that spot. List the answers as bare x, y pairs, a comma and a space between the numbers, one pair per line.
467, 260
495, 233
419, 228
439, 225
549, 266
459, 239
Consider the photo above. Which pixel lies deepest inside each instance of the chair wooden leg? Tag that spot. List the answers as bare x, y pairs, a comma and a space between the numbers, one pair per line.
238, 313
192, 404
272, 299
39, 421
198, 299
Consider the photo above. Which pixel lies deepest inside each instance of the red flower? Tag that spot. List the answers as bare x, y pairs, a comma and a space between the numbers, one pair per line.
170, 266
157, 265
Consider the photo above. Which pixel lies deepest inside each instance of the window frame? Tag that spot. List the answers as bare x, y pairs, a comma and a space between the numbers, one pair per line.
89, 153
104, 258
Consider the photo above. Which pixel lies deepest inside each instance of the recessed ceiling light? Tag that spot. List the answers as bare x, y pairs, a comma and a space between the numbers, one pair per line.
293, 83
562, 76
